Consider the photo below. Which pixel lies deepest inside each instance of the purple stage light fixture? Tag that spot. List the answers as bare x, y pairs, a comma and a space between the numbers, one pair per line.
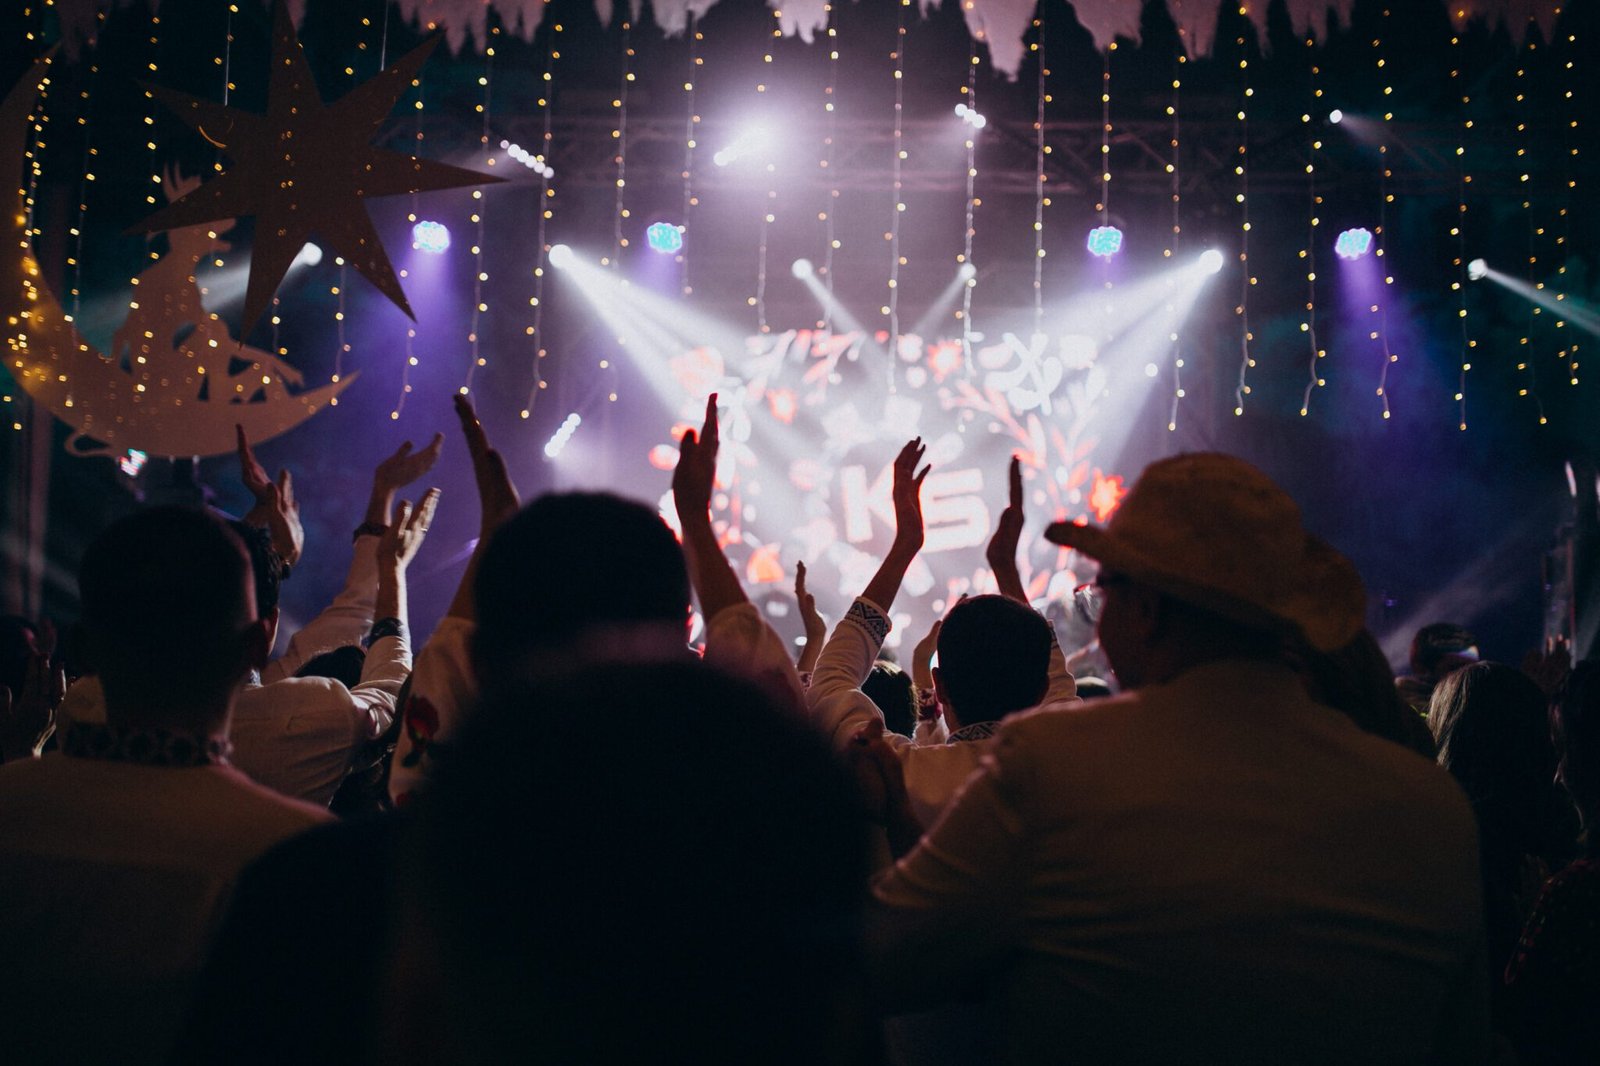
1353, 243
1105, 241
1211, 260
1477, 270
558, 439
430, 237
802, 269
665, 238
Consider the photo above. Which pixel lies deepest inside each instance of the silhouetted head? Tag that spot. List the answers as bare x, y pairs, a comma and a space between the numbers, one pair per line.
892, 690
994, 659
1575, 729
1440, 649
569, 567
266, 571
639, 898
169, 609
341, 664
1493, 732
18, 643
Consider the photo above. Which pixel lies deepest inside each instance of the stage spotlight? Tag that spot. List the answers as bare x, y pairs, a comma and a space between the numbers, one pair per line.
1353, 243
1105, 241
664, 237
1211, 260
802, 269
558, 439
561, 256
309, 255
967, 272
1477, 270
1335, 116
971, 117
430, 237
752, 139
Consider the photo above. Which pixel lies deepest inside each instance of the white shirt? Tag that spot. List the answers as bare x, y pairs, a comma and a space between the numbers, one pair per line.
1215, 869
297, 735
935, 770
113, 877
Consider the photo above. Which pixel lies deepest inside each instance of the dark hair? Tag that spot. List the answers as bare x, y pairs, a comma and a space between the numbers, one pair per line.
165, 604
569, 563
892, 690
266, 565
1433, 643
994, 658
1358, 681
640, 898
16, 648
341, 664
1492, 728
1575, 729
1092, 688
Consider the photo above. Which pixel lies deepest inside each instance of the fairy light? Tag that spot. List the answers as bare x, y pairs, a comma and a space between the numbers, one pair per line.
970, 91
690, 143
1308, 326
547, 195
829, 233
891, 309
85, 179
1569, 181
1179, 59
480, 305
1385, 198
1104, 204
619, 133
1241, 169
769, 203
1458, 231
1528, 384
1040, 150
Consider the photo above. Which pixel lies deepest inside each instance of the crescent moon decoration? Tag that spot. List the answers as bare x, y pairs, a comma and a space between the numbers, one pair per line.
175, 396
305, 169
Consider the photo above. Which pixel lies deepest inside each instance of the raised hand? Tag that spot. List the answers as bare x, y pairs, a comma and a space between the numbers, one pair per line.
1002, 551
401, 541
405, 465
922, 656
276, 509
497, 496
881, 777
27, 721
816, 628
696, 473
908, 529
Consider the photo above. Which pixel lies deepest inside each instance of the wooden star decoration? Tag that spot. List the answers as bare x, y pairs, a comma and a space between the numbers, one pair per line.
304, 169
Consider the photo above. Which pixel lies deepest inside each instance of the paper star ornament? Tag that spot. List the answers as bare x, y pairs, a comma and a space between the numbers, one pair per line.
304, 169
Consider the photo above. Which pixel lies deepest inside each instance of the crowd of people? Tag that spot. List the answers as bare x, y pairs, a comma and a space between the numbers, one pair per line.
563, 834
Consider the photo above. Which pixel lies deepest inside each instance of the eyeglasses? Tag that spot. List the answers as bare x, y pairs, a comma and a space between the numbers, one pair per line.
1089, 599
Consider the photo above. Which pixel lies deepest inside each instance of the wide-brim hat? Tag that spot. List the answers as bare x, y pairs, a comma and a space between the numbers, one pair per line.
1215, 532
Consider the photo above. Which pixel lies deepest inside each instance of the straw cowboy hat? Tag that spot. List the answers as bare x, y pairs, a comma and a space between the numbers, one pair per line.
1213, 531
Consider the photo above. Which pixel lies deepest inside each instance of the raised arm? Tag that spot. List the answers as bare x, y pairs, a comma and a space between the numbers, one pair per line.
1002, 550
443, 684
816, 628
345, 621
835, 699
715, 583
275, 508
